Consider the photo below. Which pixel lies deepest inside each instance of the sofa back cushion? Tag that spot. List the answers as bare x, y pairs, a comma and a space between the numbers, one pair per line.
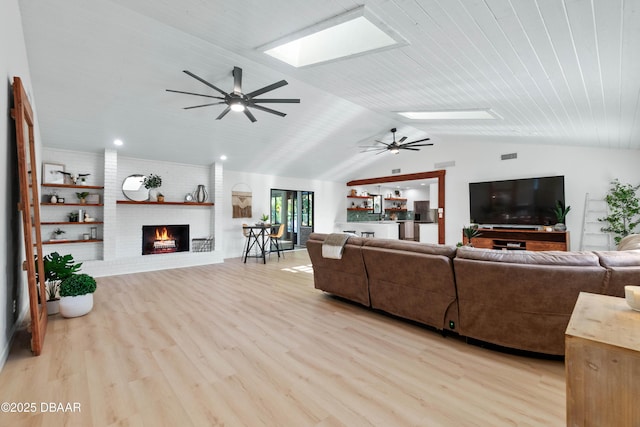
583, 258
345, 277
412, 280
623, 267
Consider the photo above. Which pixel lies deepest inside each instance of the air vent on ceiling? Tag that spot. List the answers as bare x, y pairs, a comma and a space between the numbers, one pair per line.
443, 165
394, 171
509, 156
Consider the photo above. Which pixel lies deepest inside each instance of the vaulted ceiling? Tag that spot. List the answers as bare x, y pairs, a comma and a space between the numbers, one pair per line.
555, 71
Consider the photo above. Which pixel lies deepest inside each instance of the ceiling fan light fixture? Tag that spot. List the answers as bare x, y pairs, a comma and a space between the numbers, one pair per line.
394, 150
237, 106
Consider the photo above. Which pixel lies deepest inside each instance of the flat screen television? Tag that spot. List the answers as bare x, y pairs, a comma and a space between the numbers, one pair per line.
516, 202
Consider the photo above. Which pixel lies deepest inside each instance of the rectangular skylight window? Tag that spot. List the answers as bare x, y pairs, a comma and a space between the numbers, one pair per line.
450, 115
353, 33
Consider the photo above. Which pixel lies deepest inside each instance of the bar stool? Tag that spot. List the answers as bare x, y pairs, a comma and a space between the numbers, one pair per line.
349, 231
368, 234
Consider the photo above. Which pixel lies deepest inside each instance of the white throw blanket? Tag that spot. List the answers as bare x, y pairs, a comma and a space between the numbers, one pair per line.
334, 245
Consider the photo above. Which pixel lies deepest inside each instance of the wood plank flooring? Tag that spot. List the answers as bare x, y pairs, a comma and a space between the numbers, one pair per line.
238, 344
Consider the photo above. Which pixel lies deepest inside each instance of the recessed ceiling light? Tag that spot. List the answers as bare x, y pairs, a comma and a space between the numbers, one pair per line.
223, 157
353, 33
117, 142
451, 115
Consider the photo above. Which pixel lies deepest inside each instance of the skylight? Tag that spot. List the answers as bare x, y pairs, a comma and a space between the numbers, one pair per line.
353, 33
451, 115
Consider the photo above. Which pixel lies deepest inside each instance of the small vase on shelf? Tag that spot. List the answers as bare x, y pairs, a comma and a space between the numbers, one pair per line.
201, 194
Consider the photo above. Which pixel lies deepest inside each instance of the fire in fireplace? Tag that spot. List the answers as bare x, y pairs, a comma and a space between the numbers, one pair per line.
162, 239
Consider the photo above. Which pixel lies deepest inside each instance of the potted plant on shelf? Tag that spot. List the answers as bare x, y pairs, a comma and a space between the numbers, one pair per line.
82, 196
56, 269
470, 232
561, 212
57, 234
152, 183
624, 210
76, 295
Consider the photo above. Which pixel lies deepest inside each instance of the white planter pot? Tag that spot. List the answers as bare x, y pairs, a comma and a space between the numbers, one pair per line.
76, 306
53, 307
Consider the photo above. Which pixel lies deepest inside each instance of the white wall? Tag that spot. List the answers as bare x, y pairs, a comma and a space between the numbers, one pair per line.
13, 62
330, 203
586, 170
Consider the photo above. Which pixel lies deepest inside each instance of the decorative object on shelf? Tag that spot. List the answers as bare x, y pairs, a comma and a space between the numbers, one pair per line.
353, 192
77, 178
624, 210
471, 232
160, 197
94, 233
201, 194
88, 218
52, 173
56, 268
82, 196
133, 188
188, 197
53, 199
152, 183
93, 199
57, 234
73, 217
561, 212
76, 295
85, 236
60, 200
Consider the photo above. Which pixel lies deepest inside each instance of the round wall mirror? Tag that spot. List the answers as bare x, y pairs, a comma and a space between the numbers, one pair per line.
133, 188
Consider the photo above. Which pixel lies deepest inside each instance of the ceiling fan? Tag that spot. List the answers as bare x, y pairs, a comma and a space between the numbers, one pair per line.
395, 147
237, 100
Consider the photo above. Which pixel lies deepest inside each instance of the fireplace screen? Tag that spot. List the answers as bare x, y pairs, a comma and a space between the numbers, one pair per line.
163, 239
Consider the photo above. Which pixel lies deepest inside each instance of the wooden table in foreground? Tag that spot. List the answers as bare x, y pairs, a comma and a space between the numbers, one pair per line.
602, 362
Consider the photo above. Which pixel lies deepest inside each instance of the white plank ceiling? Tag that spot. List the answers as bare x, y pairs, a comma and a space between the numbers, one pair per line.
556, 72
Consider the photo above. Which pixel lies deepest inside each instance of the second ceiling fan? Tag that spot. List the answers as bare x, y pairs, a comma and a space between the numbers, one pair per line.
395, 147
237, 100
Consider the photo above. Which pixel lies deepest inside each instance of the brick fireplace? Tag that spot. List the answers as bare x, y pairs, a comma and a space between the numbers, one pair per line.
163, 239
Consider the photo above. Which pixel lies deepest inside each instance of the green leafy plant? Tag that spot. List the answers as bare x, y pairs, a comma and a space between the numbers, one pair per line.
77, 284
57, 268
624, 208
470, 232
152, 181
264, 217
82, 195
561, 211
58, 232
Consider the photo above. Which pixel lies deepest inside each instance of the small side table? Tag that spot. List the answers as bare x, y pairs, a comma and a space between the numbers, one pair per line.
602, 362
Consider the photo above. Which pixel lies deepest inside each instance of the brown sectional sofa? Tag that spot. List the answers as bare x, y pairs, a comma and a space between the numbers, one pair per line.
516, 299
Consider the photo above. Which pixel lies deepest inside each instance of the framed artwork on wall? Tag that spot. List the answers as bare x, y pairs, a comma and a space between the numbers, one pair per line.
377, 204
52, 173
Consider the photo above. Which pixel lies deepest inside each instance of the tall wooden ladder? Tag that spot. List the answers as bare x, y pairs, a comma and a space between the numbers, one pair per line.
593, 238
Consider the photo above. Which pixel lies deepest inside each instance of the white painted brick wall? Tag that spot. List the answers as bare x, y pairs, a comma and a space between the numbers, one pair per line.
121, 251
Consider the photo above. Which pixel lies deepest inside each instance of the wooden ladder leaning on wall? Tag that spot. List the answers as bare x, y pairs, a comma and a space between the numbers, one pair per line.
29, 205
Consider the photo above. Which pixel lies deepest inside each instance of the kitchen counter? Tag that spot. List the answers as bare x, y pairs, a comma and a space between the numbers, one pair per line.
383, 229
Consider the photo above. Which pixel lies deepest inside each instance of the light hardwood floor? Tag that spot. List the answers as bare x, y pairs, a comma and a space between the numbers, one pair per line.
238, 344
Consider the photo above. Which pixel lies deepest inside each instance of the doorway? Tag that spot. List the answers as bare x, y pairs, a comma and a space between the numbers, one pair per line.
294, 209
